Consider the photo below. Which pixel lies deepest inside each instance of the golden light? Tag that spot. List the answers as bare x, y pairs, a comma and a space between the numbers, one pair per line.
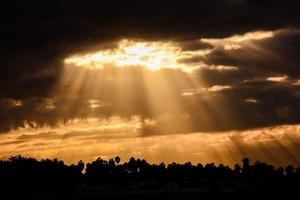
234, 42
277, 78
152, 55
115, 136
130, 112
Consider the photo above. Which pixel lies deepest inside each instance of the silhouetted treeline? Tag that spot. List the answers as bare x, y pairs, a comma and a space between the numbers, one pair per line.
28, 177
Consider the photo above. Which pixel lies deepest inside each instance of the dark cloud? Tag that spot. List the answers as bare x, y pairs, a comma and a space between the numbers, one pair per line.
276, 55
194, 45
36, 36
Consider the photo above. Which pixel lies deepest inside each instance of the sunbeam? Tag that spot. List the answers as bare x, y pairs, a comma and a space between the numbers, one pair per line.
142, 92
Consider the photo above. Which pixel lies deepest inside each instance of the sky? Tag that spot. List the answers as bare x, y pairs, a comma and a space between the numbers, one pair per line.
201, 81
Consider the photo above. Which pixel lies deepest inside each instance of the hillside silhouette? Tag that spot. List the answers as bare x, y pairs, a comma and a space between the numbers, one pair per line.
29, 178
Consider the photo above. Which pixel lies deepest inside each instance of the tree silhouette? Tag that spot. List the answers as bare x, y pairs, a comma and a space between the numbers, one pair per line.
117, 159
30, 176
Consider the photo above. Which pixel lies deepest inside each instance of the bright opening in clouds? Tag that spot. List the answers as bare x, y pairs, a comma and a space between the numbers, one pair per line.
152, 55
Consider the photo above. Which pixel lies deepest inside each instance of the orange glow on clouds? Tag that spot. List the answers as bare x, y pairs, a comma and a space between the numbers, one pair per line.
152, 55
89, 138
233, 42
93, 138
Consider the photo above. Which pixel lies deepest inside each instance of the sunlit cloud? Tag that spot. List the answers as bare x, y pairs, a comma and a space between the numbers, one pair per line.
152, 55
273, 79
259, 35
223, 68
251, 100
233, 42
214, 88
297, 83
217, 88
94, 103
277, 78
232, 46
12, 102
277, 145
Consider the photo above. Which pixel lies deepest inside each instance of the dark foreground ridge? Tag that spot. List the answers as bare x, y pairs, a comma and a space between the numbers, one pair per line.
28, 178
